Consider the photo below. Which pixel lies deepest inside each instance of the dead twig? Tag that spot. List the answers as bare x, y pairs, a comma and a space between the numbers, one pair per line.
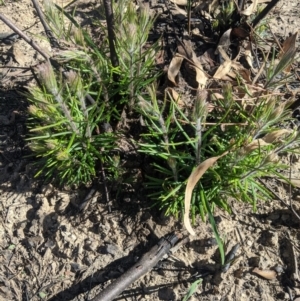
106, 193
143, 266
294, 258
48, 31
264, 12
24, 36
111, 32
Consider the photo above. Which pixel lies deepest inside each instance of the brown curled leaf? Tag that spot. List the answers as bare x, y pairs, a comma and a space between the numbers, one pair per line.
191, 183
276, 135
174, 68
267, 274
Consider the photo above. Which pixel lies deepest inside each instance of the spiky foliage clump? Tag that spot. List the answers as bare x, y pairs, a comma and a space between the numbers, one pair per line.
253, 136
72, 107
68, 139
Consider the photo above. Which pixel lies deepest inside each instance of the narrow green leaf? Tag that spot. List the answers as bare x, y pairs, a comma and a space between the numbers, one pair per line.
192, 289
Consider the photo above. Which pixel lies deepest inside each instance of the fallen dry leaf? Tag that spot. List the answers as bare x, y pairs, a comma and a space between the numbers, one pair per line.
241, 32
224, 42
267, 274
250, 9
191, 183
195, 75
289, 45
174, 68
248, 55
274, 136
216, 96
272, 157
245, 74
201, 77
255, 144
176, 97
223, 70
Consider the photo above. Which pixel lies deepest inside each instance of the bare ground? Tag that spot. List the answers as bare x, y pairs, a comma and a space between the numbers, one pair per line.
51, 251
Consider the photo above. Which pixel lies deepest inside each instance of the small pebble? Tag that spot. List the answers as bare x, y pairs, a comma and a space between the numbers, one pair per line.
111, 249
75, 267
279, 269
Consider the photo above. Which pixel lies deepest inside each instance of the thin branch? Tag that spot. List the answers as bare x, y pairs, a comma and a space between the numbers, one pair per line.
48, 31
143, 266
111, 32
24, 36
106, 193
264, 12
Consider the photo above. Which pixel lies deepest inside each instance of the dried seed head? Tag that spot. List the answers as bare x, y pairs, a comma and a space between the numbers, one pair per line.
277, 113
34, 111
67, 55
52, 144
62, 155
145, 12
47, 76
172, 163
72, 79
78, 36
201, 107
37, 147
144, 104
132, 30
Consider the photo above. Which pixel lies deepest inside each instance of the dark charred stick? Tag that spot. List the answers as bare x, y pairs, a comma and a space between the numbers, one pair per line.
111, 32
88, 197
230, 257
106, 193
23, 36
143, 266
48, 31
264, 12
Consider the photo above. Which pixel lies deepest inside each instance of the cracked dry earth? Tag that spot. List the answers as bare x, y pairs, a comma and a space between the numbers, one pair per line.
51, 251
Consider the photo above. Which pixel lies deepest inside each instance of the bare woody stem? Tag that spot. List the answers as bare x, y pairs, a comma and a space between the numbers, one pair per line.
111, 32
143, 266
24, 36
264, 12
52, 39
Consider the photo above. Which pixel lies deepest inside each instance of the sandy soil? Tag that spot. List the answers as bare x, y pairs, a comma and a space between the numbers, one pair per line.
51, 251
